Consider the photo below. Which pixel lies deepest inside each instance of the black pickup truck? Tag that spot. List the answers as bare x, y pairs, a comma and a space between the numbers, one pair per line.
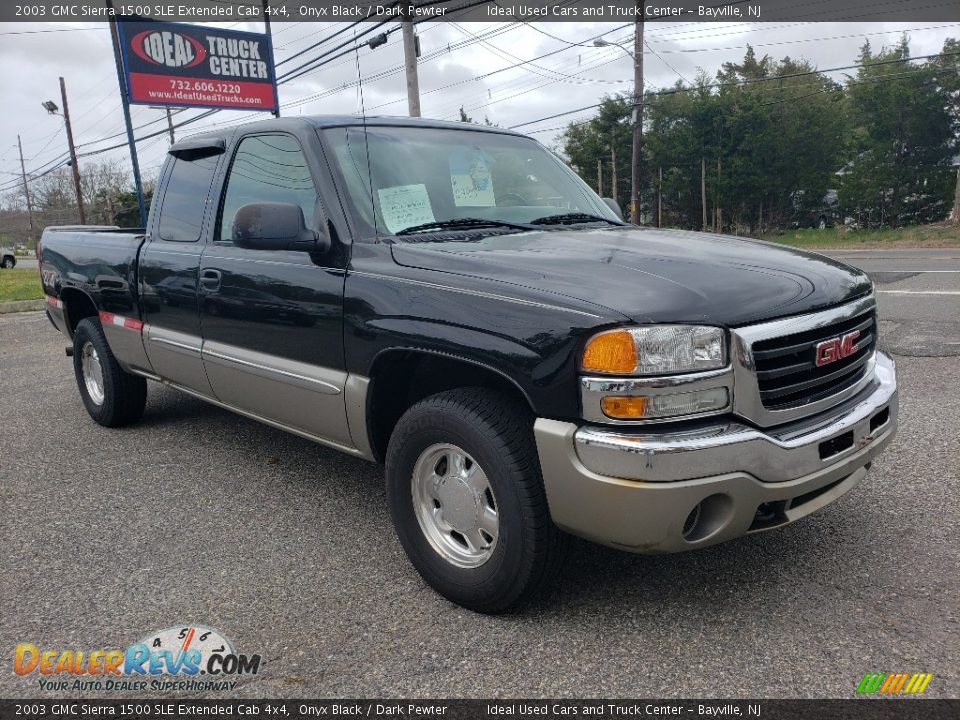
454, 302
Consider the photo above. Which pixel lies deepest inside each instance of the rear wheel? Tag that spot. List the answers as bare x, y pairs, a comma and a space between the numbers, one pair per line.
112, 396
467, 500
8, 262
822, 223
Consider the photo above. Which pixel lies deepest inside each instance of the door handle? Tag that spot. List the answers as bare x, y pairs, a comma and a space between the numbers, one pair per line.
210, 280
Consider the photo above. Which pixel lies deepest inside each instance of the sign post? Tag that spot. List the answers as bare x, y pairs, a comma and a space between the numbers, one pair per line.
134, 161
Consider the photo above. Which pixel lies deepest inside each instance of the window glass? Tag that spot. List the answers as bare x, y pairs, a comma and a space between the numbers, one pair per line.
268, 168
401, 177
185, 199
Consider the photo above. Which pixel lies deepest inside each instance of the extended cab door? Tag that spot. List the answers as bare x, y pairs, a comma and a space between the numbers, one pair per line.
170, 266
273, 319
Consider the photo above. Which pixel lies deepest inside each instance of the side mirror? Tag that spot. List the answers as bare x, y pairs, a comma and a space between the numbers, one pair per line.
276, 226
612, 204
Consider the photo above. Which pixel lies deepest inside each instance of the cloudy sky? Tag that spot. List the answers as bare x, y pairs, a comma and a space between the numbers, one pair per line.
459, 67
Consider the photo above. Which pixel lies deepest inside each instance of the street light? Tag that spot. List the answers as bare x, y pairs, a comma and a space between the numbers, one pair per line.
51, 107
636, 116
600, 42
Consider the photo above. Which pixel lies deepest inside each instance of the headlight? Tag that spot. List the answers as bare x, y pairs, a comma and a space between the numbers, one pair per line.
656, 350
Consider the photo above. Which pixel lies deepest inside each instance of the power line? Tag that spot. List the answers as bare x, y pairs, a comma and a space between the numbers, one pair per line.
749, 81
318, 43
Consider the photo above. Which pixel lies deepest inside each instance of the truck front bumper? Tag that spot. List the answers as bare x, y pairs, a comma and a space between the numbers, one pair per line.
661, 491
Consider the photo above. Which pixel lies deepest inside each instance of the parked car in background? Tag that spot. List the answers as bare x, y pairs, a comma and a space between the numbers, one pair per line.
822, 214
7, 258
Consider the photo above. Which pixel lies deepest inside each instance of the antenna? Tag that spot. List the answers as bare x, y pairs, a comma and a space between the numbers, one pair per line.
366, 142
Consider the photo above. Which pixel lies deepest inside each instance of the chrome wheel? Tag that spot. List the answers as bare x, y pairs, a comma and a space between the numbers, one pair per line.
92, 373
455, 505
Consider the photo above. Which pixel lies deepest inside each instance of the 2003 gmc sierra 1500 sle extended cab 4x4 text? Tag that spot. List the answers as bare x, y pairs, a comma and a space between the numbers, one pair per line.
454, 302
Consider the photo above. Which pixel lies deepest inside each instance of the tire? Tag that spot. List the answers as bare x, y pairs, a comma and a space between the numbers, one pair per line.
494, 433
119, 397
822, 223
9, 262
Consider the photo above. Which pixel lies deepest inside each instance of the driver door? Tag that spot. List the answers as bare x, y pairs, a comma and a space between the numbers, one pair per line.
272, 320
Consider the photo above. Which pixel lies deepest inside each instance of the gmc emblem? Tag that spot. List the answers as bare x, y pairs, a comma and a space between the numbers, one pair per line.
830, 351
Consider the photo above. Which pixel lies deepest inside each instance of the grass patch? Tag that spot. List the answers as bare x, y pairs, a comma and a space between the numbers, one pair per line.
20, 284
916, 236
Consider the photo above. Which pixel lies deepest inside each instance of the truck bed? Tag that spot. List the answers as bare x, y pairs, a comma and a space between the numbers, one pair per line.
100, 261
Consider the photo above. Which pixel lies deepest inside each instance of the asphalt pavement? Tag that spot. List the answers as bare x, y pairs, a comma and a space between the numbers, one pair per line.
199, 516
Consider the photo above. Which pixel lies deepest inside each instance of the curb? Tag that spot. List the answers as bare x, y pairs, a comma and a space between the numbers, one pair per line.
21, 306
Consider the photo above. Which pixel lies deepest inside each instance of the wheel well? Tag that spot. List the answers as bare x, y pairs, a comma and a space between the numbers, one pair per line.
77, 306
401, 378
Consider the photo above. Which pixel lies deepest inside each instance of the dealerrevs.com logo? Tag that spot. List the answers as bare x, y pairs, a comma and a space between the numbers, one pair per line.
189, 657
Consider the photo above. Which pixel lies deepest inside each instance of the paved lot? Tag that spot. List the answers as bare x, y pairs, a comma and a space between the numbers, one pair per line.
197, 516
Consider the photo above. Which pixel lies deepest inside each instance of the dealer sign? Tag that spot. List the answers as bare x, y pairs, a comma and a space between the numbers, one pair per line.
195, 66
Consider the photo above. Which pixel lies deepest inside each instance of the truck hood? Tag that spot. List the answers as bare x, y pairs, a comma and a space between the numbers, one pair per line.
650, 275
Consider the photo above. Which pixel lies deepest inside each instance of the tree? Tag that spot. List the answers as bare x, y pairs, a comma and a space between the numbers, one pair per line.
467, 119
903, 120
584, 144
770, 135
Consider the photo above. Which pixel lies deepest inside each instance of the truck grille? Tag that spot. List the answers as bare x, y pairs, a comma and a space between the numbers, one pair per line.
787, 373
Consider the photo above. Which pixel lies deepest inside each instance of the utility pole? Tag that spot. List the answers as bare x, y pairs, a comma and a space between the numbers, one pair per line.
718, 222
703, 192
956, 196
173, 139
660, 196
635, 174
26, 188
613, 174
410, 55
73, 153
599, 177
269, 32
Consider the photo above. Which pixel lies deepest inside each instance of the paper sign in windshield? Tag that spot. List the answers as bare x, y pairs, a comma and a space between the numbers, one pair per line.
404, 206
471, 179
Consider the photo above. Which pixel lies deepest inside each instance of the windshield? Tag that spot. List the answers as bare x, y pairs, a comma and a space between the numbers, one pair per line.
436, 175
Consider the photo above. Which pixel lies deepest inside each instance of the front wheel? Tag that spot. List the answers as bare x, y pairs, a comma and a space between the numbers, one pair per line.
9, 262
468, 502
112, 396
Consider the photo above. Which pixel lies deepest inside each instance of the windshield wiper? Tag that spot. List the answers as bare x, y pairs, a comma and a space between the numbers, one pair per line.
573, 218
461, 224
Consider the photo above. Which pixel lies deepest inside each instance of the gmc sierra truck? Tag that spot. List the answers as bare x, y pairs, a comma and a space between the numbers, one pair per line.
454, 302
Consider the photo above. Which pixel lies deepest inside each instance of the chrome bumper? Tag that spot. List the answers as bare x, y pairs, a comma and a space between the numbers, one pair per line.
670, 491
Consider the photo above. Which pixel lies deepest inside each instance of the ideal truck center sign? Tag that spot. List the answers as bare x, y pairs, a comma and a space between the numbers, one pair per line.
194, 66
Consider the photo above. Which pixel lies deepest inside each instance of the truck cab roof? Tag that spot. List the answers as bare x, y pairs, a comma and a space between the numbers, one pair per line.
332, 121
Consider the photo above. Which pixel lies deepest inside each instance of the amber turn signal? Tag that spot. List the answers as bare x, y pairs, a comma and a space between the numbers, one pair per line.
611, 352
624, 408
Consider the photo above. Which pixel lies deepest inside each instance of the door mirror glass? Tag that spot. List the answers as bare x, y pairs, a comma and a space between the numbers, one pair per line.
275, 226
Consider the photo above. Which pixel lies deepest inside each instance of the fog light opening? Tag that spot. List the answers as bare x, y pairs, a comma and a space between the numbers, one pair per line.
691, 522
708, 517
